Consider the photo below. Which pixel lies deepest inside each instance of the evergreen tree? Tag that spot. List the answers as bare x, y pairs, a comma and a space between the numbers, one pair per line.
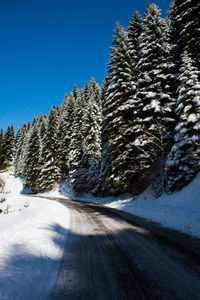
92, 117
17, 148
92, 132
185, 24
155, 105
31, 171
1, 150
42, 126
20, 149
8, 148
184, 159
119, 103
134, 30
104, 186
49, 158
86, 92
94, 94
127, 165
65, 129
75, 162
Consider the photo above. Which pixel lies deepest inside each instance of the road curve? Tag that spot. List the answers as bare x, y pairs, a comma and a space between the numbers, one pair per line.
113, 255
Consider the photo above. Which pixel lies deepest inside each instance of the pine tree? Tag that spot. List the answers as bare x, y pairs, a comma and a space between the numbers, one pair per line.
42, 126
91, 127
65, 132
127, 165
49, 158
9, 139
17, 147
155, 105
103, 186
118, 107
134, 30
185, 24
184, 159
75, 161
31, 171
20, 149
1, 150
92, 118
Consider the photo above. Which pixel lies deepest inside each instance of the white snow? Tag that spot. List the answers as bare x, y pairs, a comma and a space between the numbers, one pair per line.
192, 118
150, 95
33, 231
33, 234
180, 210
155, 104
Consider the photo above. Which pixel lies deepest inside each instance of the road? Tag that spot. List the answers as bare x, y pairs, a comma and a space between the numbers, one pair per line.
113, 255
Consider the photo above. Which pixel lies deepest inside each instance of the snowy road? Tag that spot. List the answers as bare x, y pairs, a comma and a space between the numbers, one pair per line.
110, 256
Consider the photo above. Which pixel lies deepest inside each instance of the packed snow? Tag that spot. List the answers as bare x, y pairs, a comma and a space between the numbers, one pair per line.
180, 210
33, 234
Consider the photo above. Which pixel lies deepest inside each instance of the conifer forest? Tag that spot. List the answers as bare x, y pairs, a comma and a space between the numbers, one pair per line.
140, 128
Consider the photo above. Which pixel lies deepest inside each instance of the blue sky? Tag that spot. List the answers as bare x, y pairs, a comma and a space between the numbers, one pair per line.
48, 45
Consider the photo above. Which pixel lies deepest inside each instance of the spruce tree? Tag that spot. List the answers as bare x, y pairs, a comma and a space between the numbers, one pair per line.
134, 30
49, 158
185, 24
76, 167
118, 107
184, 159
103, 186
94, 94
20, 149
155, 104
31, 173
42, 126
17, 147
1, 150
65, 129
8, 148
128, 175
91, 126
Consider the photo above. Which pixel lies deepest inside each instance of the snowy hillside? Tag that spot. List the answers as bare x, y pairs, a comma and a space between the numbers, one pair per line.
33, 234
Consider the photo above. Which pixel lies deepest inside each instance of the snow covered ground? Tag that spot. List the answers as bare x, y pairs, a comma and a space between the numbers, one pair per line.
33, 234
33, 231
180, 210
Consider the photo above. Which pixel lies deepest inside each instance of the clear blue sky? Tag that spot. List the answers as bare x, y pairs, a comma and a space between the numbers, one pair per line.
48, 45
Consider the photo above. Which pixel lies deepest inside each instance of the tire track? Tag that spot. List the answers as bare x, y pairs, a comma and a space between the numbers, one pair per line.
110, 257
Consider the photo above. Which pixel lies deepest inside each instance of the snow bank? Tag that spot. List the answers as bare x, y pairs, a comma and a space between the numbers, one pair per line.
64, 190
33, 234
180, 210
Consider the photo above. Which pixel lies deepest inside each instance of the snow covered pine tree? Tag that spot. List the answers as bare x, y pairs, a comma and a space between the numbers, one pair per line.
184, 159
154, 99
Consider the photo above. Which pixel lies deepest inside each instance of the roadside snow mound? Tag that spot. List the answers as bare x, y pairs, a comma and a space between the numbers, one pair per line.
11, 200
64, 190
180, 210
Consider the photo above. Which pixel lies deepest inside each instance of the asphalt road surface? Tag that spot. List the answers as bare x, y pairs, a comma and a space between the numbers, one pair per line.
113, 255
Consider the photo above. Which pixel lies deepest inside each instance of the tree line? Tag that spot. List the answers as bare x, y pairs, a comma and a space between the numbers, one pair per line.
141, 127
